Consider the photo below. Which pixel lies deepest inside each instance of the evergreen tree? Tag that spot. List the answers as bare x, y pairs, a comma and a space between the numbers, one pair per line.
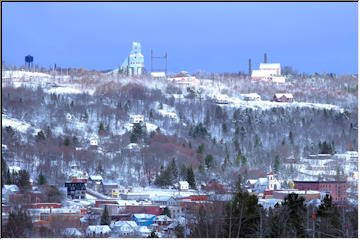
242, 215
200, 149
48, 132
41, 179
296, 210
209, 161
329, 219
40, 136
291, 137
99, 169
4, 170
191, 178
183, 172
105, 217
238, 159
173, 170
166, 212
137, 132
19, 223
243, 160
23, 180
101, 127
207, 118
276, 164
224, 127
67, 141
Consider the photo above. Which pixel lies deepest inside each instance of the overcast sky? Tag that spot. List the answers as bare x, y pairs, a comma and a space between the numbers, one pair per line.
214, 37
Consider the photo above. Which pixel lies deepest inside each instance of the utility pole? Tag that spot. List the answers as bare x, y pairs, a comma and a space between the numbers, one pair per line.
185, 221
314, 219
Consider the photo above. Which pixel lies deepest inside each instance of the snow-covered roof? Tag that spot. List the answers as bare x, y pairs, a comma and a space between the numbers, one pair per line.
121, 223
183, 183
160, 198
162, 218
53, 210
12, 188
252, 181
98, 229
72, 232
13, 169
251, 95
158, 74
127, 202
96, 178
287, 95
269, 65
143, 216
143, 229
132, 146
262, 181
352, 153
137, 116
288, 191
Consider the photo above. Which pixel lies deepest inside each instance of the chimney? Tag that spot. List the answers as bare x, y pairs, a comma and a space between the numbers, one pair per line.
250, 68
265, 58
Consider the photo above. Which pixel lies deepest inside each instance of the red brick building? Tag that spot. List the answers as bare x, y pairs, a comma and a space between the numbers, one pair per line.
336, 189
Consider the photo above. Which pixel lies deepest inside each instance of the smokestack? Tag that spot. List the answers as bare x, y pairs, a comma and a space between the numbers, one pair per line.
265, 58
249, 67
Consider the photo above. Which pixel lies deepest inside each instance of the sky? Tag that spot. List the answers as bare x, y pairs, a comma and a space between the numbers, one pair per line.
212, 37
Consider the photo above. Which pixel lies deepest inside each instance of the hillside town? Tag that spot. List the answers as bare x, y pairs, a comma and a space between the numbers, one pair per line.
164, 134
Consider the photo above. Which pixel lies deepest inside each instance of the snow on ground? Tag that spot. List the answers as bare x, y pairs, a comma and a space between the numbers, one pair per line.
153, 192
18, 125
69, 89
150, 127
23, 74
266, 105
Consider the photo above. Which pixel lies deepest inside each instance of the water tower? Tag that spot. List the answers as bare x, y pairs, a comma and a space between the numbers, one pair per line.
29, 61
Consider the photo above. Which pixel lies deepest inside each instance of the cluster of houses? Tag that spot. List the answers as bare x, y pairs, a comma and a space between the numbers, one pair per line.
270, 192
278, 97
339, 167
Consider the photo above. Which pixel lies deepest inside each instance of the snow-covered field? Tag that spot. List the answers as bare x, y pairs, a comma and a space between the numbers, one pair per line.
18, 125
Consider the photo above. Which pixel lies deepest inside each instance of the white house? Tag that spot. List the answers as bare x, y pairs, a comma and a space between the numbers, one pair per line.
124, 228
175, 211
98, 231
270, 72
137, 118
183, 185
93, 141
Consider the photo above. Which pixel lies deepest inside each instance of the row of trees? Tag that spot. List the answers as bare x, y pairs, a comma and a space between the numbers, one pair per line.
244, 217
170, 175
